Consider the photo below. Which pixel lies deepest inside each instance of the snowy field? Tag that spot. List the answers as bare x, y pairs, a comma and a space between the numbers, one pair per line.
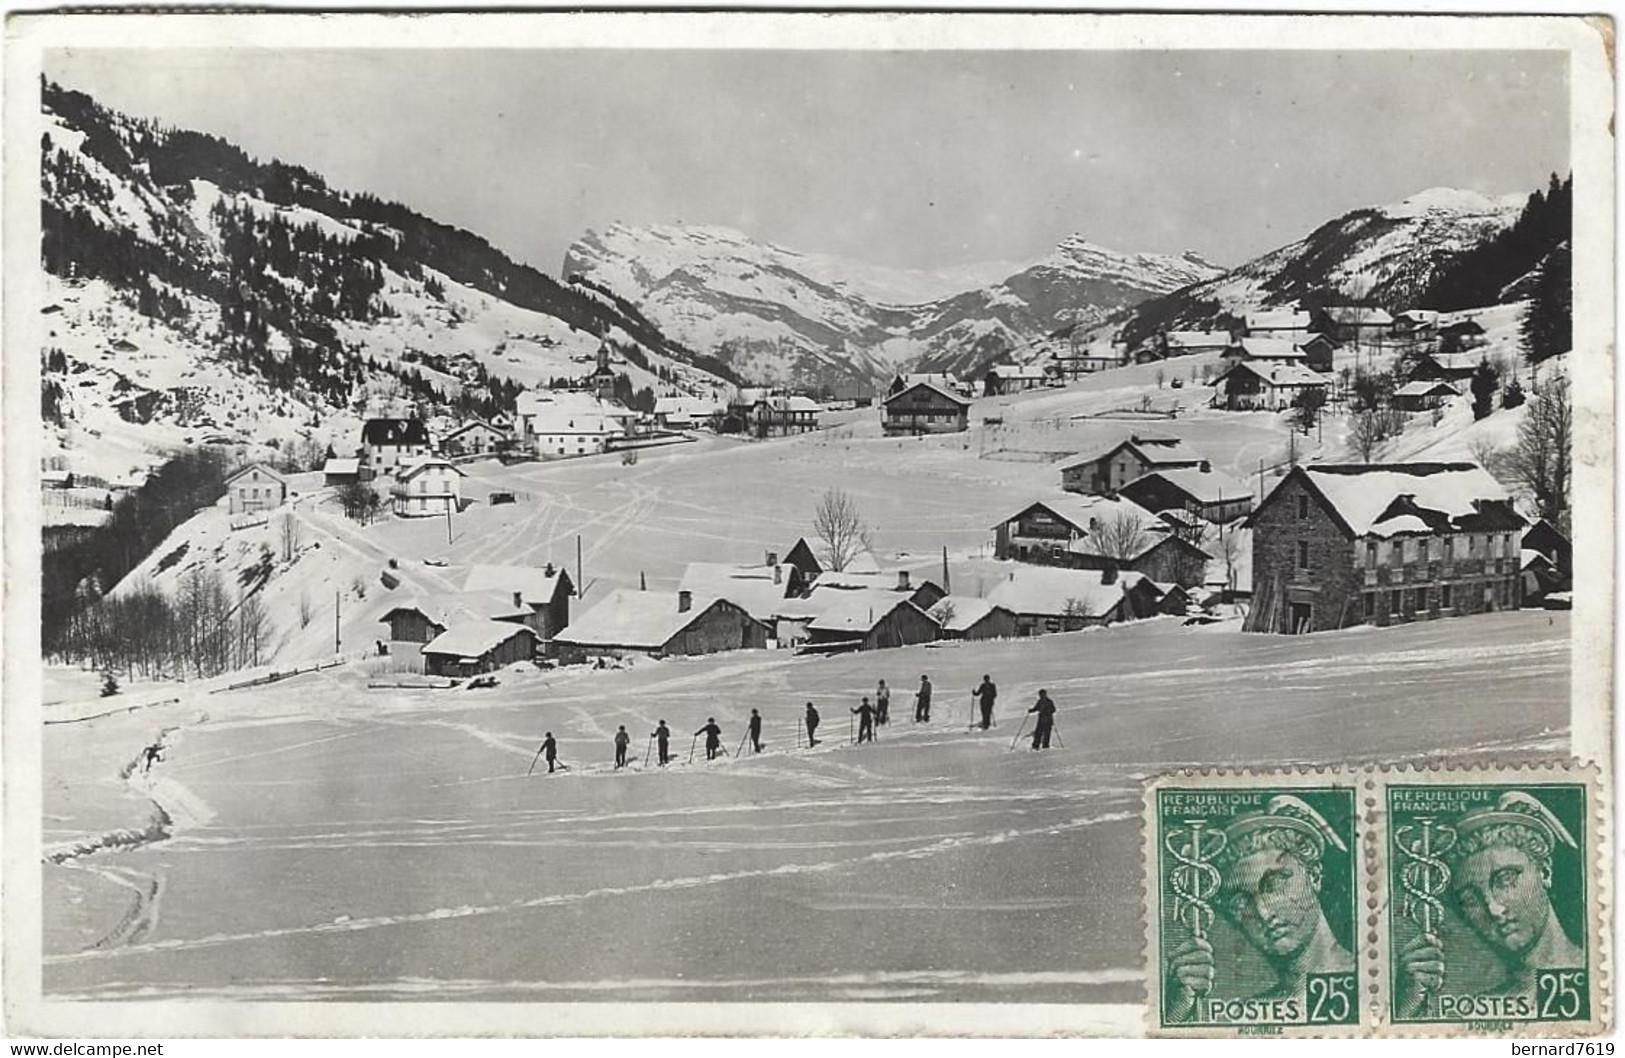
317, 840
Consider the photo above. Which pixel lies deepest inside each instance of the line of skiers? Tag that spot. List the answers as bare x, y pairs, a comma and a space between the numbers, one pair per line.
869, 717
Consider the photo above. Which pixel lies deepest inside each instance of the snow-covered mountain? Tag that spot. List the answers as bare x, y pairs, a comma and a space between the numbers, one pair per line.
777, 315
193, 293
1390, 255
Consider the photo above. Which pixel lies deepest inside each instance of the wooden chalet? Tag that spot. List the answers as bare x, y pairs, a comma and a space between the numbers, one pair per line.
924, 408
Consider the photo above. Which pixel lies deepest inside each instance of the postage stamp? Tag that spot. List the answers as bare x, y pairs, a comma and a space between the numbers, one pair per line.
1253, 901
1492, 883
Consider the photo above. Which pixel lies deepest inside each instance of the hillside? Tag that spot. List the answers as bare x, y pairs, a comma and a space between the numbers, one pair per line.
195, 292
1391, 256
777, 315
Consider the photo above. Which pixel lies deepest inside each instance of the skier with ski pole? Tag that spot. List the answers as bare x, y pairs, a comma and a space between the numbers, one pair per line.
662, 738
922, 701
622, 740
986, 694
1046, 720
812, 725
754, 732
548, 748
713, 738
866, 722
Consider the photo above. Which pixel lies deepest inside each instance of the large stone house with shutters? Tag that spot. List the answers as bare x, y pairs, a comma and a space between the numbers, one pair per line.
1341, 545
256, 488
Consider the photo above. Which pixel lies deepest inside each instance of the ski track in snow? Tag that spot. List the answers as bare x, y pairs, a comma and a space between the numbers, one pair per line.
917, 852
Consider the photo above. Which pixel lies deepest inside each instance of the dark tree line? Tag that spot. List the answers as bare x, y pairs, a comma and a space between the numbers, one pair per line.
75, 576
1478, 276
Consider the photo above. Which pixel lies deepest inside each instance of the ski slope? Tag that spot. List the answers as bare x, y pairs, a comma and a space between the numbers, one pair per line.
318, 840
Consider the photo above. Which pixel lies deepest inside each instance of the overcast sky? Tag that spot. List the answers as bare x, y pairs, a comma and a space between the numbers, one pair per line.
913, 159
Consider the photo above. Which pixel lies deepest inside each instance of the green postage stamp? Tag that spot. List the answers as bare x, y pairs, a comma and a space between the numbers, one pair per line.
1254, 921
1494, 889
1357, 901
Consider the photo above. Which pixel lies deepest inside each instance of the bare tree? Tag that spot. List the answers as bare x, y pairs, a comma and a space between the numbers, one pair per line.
289, 537
253, 630
1367, 430
1227, 541
1074, 613
1542, 460
306, 611
1121, 537
840, 529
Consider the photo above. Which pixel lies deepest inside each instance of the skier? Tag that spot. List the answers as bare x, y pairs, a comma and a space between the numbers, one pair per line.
153, 753
883, 703
812, 725
986, 694
866, 721
622, 740
922, 702
550, 750
1046, 720
713, 737
662, 737
755, 730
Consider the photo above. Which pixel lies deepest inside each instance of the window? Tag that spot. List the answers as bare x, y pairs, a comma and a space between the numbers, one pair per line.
1393, 602
1444, 597
1371, 554
1449, 549
1303, 505
1370, 604
1422, 551
1421, 600
1303, 554
1472, 543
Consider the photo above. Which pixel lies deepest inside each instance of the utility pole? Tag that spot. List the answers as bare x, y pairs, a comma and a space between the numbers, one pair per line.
448, 521
335, 622
945, 586
581, 585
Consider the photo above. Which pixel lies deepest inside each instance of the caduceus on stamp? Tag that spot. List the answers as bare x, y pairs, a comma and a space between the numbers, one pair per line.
1256, 907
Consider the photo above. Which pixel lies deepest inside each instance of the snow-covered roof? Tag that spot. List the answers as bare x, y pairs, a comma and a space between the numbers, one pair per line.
55, 477
946, 394
263, 469
1269, 349
1419, 316
470, 639
858, 578
1365, 496
1437, 386
690, 406
1018, 371
863, 562
342, 466
1198, 339
967, 610
1048, 590
1358, 315
1081, 511
639, 620
454, 608
791, 404
533, 583
858, 611
1528, 557
570, 412
751, 588
1154, 451
473, 424
1277, 320
1274, 373
418, 466
1210, 486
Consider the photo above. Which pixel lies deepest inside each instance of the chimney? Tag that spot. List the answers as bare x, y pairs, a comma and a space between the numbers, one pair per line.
518, 600
902, 580
685, 601
548, 569
772, 558
1109, 575
1205, 467
778, 574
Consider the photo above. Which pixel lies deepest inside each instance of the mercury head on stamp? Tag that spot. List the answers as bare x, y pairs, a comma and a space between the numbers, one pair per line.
1269, 865
1497, 862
